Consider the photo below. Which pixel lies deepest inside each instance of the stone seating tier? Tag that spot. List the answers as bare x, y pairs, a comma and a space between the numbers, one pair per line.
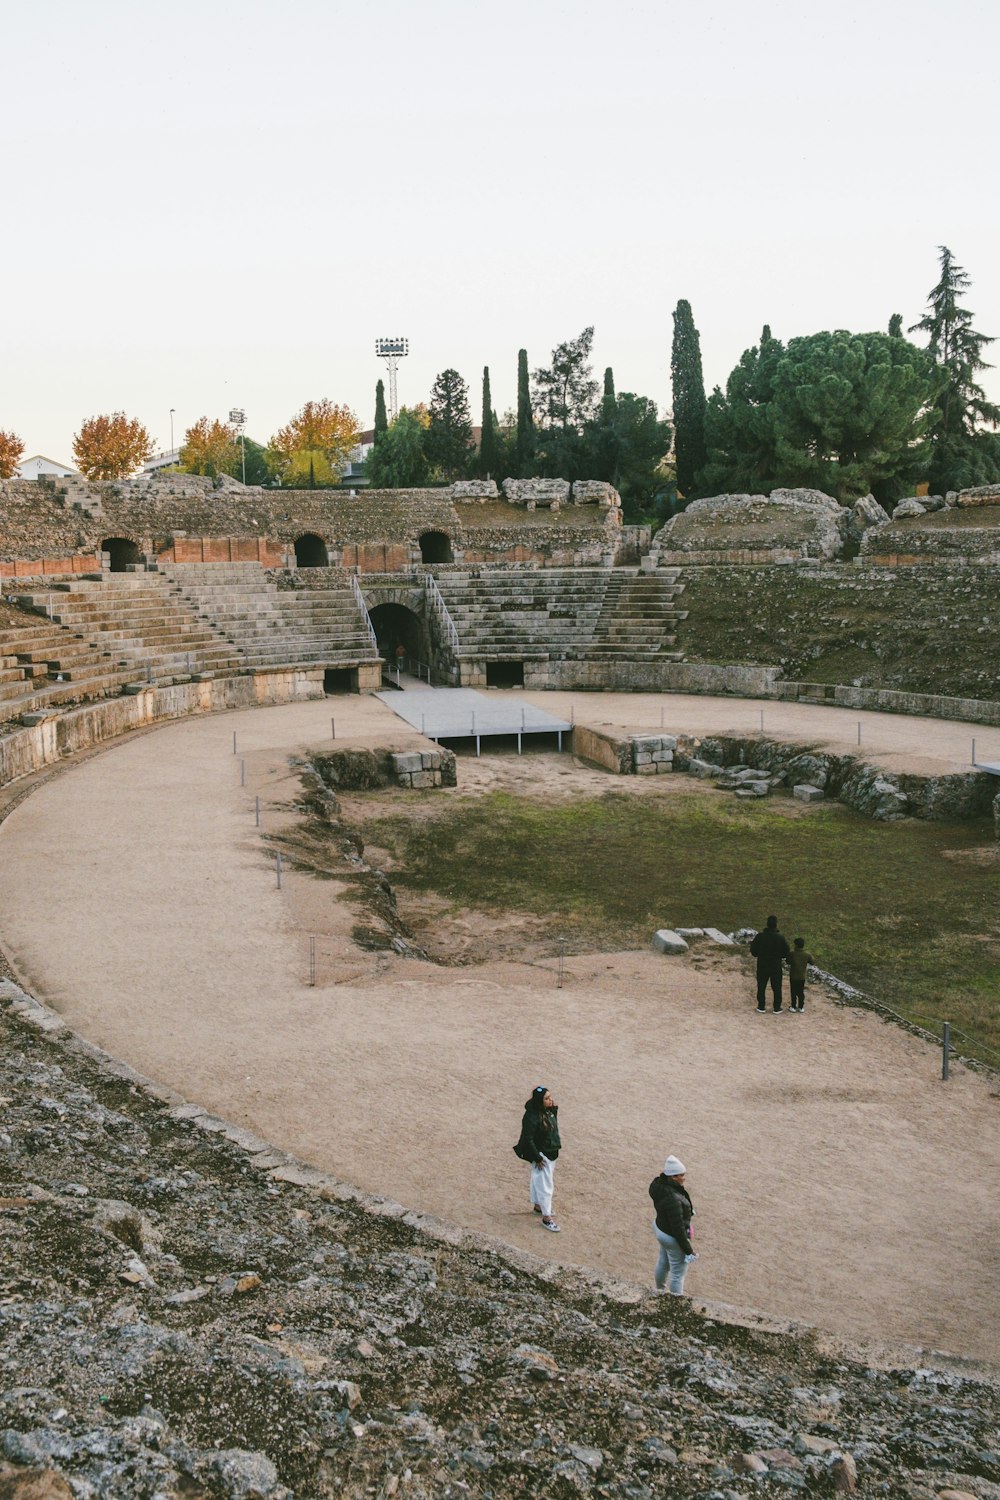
132, 619
592, 614
269, 625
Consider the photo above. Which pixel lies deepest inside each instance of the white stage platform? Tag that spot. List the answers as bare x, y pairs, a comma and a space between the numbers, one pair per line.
463, 714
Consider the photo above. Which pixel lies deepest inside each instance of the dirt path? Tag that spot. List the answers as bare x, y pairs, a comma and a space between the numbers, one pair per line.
837, 1180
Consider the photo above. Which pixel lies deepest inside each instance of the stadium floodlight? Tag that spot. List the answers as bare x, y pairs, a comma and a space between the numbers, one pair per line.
238, 418
392, 351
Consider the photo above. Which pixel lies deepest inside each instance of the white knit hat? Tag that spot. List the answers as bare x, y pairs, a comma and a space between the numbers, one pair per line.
674, 1167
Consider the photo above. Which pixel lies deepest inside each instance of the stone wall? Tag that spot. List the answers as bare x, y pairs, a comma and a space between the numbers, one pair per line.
915, 630
44, 743
373, 530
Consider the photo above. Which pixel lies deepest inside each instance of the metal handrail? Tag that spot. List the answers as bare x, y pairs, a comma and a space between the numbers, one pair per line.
359, 600
437, 604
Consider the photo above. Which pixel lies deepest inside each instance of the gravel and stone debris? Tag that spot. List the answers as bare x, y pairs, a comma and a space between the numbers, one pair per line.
177, 1324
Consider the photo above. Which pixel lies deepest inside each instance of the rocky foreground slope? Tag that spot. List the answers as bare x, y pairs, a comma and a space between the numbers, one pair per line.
187, 1315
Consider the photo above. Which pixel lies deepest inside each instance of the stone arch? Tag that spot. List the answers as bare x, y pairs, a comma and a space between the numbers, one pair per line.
310, 551
435, 547
122, 551
395, 625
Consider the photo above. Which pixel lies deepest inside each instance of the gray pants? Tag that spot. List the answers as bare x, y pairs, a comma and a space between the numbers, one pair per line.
672, 1257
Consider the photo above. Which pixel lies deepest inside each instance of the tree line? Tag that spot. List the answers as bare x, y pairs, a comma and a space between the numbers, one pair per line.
843, 412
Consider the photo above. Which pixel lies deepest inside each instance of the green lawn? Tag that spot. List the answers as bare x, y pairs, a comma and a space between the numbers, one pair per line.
908, 912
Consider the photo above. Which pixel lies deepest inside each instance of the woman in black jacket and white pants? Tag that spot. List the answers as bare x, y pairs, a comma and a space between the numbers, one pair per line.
672, 1225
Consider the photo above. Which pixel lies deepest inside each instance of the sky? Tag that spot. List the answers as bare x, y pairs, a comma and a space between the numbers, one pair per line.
211, 204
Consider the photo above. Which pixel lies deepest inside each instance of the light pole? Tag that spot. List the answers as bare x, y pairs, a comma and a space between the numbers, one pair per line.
238, 417
392, 351
171, 429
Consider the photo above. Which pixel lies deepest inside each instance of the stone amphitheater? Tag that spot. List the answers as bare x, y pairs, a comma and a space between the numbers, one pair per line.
188, 1310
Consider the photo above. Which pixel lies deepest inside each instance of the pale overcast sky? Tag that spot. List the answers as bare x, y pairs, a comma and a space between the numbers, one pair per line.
210, 204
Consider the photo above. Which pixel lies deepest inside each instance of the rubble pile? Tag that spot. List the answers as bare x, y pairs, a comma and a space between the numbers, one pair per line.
184, 1312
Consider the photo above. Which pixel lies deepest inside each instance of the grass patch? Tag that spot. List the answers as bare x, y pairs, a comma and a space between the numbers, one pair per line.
885, 907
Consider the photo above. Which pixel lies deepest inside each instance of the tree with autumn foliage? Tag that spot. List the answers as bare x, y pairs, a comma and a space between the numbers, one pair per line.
315, 447
11, 449
210, 447
112, 446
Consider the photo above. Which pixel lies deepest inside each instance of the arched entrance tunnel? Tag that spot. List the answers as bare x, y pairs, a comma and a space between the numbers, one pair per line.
122, 551
310, 551
395, 627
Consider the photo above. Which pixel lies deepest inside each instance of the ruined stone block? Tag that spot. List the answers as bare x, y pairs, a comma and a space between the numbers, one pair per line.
422, 779
808, 793
666, 941
408, 761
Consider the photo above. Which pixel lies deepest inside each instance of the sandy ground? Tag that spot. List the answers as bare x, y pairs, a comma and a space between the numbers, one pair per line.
837, 1180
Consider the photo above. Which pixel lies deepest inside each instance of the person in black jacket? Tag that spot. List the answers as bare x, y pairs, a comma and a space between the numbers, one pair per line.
540, 1144
672, 1225
770, 949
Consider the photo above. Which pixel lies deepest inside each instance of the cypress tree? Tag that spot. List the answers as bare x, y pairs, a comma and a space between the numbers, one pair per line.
609, 385
381, 420
688, 387
524, 452
896, 326
488, 438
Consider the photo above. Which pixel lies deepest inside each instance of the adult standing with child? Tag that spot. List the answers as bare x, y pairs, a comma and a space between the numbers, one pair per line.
672, 1226
769, 948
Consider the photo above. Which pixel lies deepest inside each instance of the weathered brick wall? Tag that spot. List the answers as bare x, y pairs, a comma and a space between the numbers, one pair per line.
919, 629
375, 530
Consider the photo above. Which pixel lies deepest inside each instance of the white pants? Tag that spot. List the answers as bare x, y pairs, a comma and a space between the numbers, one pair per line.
672, 1259
541, 1186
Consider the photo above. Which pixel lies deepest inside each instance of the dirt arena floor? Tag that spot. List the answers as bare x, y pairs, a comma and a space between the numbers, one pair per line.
837, 1179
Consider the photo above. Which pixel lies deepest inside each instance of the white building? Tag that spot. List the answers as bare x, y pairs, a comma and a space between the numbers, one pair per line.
39, 466
168, 460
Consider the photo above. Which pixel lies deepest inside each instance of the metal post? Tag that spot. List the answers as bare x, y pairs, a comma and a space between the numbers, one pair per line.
333, 729
423, 723
519, 742
562, 960
312, 960
859, 731
973, 752
762, 721
256, 809
277, 867
477, 744
49, 606
397, 674
243, 773
572, 713
945, 1049
234, 741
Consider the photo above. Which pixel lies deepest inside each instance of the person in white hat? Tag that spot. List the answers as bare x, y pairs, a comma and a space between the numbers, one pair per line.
672, 1226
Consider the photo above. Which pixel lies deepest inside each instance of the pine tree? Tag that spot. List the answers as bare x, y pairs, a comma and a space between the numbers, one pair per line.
381, 420
448, 444
962, 453
525, 447
688, 387
488, 438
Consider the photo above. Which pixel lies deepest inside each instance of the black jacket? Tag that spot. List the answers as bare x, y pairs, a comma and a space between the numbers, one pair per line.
673, 1210
769, 948
539, 1133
